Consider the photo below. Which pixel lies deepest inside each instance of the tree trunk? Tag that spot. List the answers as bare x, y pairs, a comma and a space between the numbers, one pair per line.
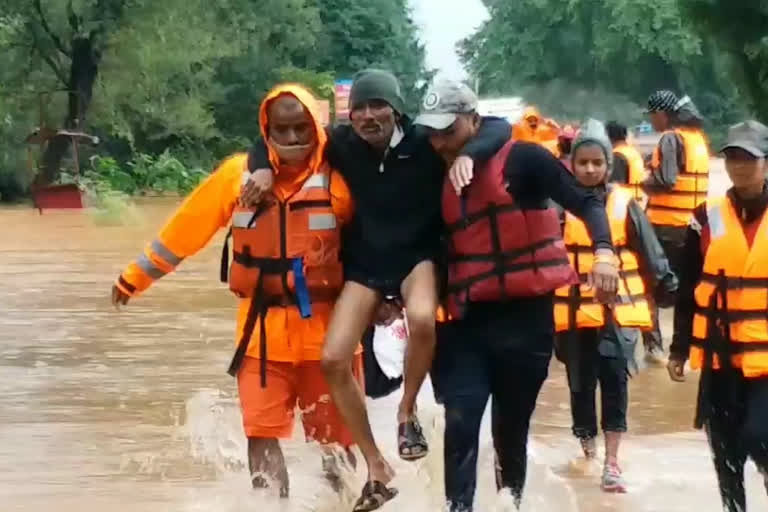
82, 76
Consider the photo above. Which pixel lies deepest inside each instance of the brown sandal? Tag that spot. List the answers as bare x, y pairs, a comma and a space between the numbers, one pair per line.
411, 443
375, 494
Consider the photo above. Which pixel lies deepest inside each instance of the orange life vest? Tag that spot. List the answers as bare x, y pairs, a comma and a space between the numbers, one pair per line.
575, 306
732, 297
636, 165
675, 207
498, 250
274, 245
284, 253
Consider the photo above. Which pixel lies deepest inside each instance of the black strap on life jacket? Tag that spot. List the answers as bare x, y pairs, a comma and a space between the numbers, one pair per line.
467, 219
498, 257
260, 304
257, 310
718, 341
224, 268
574, 302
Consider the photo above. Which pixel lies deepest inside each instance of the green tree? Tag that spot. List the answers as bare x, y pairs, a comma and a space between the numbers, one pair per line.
180, 76
359, 34
68, 38
596, 49
740, 29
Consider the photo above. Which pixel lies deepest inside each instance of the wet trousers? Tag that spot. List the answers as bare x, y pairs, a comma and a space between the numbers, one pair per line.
737, 428
481, 357
585, 369
672, 240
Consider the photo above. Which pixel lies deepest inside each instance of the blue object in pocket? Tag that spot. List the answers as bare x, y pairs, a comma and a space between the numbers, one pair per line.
302, 292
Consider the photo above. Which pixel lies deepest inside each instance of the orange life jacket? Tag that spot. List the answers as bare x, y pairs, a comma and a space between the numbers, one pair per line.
267, 245
636, 165
286, 252
732, 297
497, 249
575, 306
675, 207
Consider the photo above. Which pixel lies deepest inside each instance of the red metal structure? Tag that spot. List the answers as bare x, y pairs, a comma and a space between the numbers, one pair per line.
66, 196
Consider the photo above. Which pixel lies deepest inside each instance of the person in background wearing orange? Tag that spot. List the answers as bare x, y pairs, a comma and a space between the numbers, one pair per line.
537, 129
286, 272
721, 318
564, 145
597, 343
628, 165
677, 183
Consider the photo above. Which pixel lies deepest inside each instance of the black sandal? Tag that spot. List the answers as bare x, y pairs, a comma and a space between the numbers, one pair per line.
375, 494
411, 443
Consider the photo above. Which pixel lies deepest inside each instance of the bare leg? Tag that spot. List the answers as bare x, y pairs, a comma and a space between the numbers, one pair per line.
419, 292
266, 462
612, 442
332, 462
351, 316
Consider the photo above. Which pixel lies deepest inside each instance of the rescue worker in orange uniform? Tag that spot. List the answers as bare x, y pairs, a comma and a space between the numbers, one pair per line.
721, 318
596, 342
677, 183
628, 165
533, 127
285, 270
565, 144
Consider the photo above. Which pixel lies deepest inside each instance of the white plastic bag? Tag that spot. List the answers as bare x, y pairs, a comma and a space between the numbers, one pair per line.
389, 343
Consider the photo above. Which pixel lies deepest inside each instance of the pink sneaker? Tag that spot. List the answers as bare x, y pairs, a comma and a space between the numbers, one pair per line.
613, 482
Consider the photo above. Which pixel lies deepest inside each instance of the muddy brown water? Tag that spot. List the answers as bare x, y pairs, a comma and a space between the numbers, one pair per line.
133, 411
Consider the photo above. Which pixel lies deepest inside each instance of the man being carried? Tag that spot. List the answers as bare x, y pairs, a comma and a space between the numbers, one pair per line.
395, 177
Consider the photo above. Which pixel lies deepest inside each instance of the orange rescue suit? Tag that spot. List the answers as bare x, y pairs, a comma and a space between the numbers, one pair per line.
732, 296
675, 207
575, 306
545, 135
213, 205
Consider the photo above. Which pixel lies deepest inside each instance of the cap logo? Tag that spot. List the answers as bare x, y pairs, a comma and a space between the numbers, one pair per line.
431, 101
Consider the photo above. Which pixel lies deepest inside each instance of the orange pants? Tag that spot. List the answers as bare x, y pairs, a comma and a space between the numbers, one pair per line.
269, 412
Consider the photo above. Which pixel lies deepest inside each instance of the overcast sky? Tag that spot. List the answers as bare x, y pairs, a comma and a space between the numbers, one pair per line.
443, 23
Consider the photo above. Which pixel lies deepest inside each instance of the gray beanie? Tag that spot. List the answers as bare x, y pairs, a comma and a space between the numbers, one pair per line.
376, 84
593, 131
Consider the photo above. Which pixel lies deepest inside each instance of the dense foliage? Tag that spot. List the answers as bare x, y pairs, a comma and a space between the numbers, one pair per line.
177, 77
179, 81
576, 57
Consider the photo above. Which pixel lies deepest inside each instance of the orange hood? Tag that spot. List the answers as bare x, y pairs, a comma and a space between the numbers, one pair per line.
530, 112
310, 103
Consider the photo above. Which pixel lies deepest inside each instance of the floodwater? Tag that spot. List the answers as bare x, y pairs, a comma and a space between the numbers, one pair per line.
132, 410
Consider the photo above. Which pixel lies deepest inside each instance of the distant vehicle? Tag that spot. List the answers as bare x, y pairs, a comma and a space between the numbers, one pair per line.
643, 128
510, 108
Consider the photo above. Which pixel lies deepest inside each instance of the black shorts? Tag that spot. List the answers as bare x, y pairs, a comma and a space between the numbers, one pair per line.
388, 283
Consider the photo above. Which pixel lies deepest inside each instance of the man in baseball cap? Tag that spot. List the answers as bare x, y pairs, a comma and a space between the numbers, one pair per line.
726, 251
749, 136
443, 104
498, 343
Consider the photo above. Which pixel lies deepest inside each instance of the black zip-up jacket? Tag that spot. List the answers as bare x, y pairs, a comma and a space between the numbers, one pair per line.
398, 216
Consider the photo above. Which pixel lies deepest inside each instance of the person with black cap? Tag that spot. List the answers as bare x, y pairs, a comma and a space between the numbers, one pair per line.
721, 318
389, 250
505, 257
678, 182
